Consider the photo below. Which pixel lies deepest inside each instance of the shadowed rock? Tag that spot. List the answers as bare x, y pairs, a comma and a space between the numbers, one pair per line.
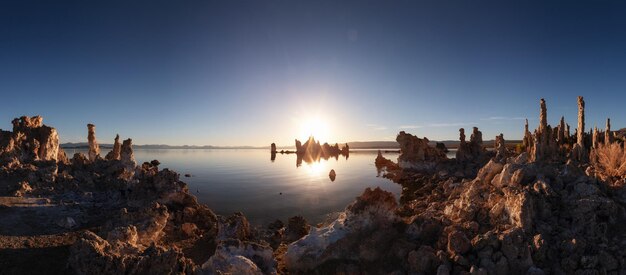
115, 153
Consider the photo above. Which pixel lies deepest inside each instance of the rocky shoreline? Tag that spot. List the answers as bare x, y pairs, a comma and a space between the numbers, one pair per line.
554, 205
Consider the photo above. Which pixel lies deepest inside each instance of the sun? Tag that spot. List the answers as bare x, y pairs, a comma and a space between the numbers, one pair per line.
316, 127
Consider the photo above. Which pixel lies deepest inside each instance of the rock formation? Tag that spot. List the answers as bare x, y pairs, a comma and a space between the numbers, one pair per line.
442, 147
312, 151
581, 122
608, 135
363, 230
127, 156
545, 141
94, 149
579, 151
562, 132
299, 148
416, 153
273, 148
527, 141
594, 138
472, 150
543, 117
30, 141
518, 214
500, 147
115, 153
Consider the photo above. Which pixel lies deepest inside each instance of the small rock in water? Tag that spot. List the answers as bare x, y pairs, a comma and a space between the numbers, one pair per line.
187, 175
332, 175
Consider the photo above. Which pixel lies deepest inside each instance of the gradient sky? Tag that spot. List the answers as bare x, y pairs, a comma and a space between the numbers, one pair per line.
249, 72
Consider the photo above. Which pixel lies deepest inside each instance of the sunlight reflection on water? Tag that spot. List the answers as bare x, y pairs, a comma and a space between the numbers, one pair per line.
246, 180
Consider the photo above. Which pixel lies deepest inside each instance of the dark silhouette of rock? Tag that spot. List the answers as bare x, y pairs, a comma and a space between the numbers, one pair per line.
441, 146
273, 148
312, 151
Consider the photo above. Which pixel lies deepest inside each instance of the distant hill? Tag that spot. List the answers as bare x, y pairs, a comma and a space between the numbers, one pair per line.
451, 144
81, 145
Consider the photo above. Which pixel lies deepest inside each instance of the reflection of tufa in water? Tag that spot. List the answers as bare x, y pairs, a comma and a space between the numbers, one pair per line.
311, 151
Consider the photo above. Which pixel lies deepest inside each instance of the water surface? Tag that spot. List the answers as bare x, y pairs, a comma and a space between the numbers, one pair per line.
246, 180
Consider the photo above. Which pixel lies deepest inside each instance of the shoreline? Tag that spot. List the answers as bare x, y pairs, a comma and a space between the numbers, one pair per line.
558, 206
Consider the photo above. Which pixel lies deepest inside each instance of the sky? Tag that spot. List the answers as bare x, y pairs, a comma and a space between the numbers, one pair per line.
232, 73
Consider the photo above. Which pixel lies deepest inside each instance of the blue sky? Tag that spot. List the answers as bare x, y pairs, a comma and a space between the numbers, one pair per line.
252, 72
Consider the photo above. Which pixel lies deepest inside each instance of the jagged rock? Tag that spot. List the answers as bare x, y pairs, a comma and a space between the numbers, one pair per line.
528, 139
516, 250
500, 147
472, 150
373, 212
544, 141
297, 227
608, 135
562, 134
416, 149
416, 153
520, 208
30, 141
62, 156
22, 189
149, 223
489, 171
93, 255
115, 153
234, 227
458, 243
240, 257
127, 157
190, 229
94, 148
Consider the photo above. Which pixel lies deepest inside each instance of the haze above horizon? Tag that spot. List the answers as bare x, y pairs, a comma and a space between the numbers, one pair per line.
233, 73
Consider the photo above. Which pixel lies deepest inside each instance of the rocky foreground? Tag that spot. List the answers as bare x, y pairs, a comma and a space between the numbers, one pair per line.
553, 205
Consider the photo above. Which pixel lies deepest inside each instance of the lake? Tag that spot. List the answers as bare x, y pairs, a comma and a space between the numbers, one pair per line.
246, 180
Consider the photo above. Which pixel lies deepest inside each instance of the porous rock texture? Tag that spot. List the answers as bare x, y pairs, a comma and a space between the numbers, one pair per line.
105, 216
94, 148
541, 211
523, 214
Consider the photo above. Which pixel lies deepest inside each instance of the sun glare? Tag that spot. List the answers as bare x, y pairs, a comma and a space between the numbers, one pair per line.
315, 127
316, 169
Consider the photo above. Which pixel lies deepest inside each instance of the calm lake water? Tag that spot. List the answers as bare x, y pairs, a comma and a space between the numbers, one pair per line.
246, 180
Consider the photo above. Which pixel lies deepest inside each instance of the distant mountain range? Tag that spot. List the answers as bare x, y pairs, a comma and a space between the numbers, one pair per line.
79, 145
353, 145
